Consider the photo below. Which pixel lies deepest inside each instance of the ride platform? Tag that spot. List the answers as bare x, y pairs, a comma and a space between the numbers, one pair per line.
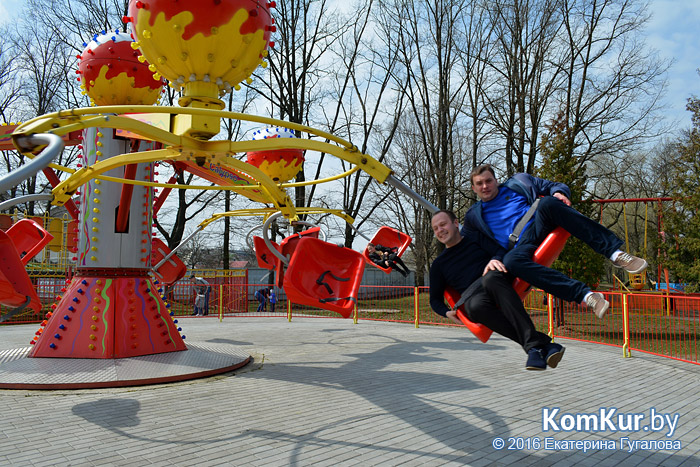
19, 371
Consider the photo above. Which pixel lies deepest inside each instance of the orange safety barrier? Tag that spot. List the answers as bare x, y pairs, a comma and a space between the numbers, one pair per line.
545, 254
391, 238
324, 275
29, 238
172, 270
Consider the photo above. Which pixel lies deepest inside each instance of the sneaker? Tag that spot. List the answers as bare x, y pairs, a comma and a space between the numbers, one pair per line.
598, 304
535, 360
630, 263
553, 354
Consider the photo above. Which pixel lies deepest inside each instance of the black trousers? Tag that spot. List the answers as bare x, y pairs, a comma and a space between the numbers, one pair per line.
497, 306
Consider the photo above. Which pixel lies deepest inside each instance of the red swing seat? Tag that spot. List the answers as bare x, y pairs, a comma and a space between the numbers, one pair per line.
29, 238
287, 248
172, 270
16, 287
324, 275
546, 254
289, 244
388, 237
266, 259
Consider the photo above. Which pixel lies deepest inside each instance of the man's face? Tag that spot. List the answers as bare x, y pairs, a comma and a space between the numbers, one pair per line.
446, 230
485, 186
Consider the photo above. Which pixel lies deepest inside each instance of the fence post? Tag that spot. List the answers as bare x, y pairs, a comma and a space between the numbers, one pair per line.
626, 328
221, 302
550, 315
416, 312
354, 314
289, 310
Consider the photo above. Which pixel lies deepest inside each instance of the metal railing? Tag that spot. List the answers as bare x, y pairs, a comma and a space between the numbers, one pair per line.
658, 323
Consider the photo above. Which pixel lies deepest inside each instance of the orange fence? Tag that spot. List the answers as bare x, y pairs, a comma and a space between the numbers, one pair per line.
661, 324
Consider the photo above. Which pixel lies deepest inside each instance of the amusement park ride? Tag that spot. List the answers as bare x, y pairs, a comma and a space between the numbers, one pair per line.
112, 308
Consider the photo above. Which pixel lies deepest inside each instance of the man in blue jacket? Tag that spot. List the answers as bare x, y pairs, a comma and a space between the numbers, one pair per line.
501, 207
489, 300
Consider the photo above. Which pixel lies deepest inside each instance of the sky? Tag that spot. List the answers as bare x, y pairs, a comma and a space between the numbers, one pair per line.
673, 31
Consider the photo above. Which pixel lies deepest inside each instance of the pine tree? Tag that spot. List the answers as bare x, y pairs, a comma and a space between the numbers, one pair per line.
559, 163
681, 243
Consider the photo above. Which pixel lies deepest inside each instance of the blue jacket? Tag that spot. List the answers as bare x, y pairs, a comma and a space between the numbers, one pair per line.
525, 184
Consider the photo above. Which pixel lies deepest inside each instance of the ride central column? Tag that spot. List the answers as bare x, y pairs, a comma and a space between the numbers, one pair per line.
111, 308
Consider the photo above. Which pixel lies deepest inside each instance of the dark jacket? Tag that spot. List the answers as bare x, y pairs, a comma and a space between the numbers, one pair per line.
458, 267
525, 184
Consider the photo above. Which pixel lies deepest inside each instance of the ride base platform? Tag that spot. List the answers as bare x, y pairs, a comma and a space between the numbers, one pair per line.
19, 371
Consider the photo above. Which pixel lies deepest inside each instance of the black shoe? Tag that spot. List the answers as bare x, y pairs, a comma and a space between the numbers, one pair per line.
553, 354
535, 360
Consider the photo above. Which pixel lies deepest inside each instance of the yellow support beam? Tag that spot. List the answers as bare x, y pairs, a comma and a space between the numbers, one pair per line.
274, 194
108, 117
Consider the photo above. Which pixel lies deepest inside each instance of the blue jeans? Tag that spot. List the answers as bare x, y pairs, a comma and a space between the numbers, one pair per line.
552, 213
261, 300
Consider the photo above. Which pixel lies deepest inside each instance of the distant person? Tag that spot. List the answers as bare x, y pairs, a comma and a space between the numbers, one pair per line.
201, 301
262, 296
542, 205
273, 300
386, 257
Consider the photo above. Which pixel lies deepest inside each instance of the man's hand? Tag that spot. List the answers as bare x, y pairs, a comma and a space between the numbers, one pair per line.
452, 314
495, 265
562, 197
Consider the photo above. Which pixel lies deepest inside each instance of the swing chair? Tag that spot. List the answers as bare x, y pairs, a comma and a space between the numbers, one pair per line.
172, 270
324, 275
391, 238
546, 254
18, 245
269, 253
16, 289
266, 259
637, 281
29, 238
314, 272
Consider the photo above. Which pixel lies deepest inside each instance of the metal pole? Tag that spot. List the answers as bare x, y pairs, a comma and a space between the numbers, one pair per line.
54, 146
167, 257
405, 189
24, 199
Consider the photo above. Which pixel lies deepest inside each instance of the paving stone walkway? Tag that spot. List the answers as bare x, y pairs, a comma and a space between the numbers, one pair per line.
329, 392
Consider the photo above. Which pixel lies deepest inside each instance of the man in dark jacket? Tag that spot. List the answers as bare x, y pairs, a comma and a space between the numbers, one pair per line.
501, 207
490, 300
386, 257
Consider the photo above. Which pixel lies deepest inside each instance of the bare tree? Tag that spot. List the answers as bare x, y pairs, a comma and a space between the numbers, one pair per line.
42, 64
9, 84
74, 22
432, 76
367, 107
301, 60
613, 79
524, 74
475, 56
